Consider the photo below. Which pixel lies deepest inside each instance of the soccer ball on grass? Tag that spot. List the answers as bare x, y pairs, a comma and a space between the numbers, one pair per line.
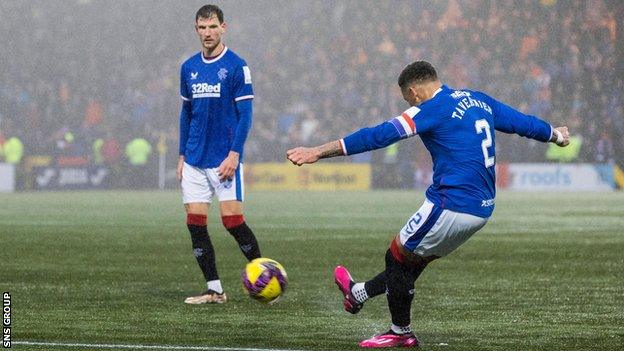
264, 279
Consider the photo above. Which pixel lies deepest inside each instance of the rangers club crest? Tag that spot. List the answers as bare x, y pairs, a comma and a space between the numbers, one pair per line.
222, 73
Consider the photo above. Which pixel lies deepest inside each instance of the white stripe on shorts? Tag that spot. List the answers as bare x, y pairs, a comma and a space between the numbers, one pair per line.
449, 231
200, 185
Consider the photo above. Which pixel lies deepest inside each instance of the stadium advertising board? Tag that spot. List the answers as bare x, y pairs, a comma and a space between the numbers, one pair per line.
7, 178
559, 177
321, 177
69, 178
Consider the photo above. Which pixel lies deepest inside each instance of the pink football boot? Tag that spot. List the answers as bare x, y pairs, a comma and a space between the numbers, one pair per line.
390, 339
345, 282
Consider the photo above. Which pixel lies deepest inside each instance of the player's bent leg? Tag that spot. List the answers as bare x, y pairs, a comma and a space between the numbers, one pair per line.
345, 283
375, 286
234, 221
355, 294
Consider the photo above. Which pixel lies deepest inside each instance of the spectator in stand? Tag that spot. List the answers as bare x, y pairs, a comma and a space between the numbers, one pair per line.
138, 152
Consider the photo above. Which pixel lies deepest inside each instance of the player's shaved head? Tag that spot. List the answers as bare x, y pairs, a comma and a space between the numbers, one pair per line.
209, 11
417, 72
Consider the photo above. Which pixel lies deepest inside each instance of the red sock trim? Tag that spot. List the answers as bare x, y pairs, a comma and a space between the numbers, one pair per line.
196, 219
396, 251
232, 221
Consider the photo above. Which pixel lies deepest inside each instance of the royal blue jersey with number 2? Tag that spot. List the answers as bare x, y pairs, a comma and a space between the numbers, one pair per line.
457, 127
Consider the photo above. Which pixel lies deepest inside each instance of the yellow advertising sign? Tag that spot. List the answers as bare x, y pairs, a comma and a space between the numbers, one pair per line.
320, 177
619, 176
271, 176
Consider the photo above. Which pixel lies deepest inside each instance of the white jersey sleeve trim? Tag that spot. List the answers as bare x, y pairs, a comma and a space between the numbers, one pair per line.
185, 99
344, 148
244, 97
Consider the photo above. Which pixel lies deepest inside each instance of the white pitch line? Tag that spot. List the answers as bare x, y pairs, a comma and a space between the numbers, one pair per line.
151, 347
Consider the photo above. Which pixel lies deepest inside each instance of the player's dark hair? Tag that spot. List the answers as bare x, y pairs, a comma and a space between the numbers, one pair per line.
417, 72
208, 11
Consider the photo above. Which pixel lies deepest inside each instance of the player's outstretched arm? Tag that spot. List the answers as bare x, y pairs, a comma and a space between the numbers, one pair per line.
365, 139
302, 155
560, 136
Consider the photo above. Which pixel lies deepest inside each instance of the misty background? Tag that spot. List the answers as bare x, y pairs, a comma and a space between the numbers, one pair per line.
80, 79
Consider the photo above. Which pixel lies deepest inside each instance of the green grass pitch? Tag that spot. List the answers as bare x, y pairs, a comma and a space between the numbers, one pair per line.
546, 273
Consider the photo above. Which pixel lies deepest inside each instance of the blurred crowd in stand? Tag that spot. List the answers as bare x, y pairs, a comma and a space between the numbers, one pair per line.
83, 78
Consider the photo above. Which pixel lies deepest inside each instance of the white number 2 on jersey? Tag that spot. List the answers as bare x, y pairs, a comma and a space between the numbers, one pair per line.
480, 126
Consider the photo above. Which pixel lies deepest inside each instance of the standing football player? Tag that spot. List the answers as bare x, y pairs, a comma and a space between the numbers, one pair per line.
457, 127
215, 86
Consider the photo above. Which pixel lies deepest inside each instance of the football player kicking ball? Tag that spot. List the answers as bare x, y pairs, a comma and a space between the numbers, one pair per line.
457, 127
215, 86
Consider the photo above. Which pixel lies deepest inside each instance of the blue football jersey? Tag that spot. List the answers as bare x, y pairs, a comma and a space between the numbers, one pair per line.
209, 121
457, 128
